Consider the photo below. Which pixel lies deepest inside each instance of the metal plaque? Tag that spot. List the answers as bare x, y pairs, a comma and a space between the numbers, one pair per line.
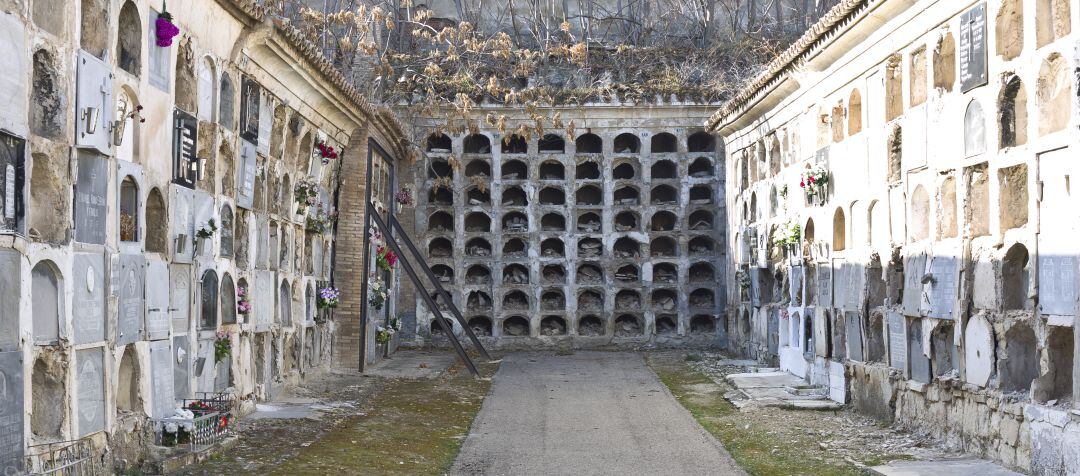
157, 300
245, 196
130, 305
94, 106
90, 377
973, 72
181, 358
12, 412
88, 306
162, 398
897, 340
91, 198
10, 286
185, 149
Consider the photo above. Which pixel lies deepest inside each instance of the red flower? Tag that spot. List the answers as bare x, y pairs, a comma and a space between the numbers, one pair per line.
810, 179
391, 258
802, 184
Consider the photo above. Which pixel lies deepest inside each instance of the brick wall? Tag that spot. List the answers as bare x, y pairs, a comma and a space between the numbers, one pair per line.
349, 260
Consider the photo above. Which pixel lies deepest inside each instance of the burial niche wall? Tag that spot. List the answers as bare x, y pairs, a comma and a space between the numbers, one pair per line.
1051, 21
947, 227
589, 143
1055, 384
94, 27
917, 90
156, 223
186, 87
920, 214
1018, 359
977, 202
1015, 278
49, 396
894, 80
854, 116
945, 63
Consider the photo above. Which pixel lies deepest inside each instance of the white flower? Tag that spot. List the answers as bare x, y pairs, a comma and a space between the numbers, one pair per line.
171, 427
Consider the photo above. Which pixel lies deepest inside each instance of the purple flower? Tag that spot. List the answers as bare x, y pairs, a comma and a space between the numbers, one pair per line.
166, 31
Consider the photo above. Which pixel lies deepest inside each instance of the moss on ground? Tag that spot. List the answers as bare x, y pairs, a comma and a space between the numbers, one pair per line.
409, 427
756, 440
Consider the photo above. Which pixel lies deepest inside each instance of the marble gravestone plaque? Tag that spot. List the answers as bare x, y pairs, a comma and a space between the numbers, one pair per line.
918, 362
945, 271
162, 398
914, 269
180, 297
182, 211
93, 103
12, 85
755, 287
157, 300
978, 350
972, 51
157, 58
897, 340
12, 412
90, 377
774, 330
130, 301
88, 306
853, 326
824, 285
181, 358
853, 284
10, 286
1057, 285
204, 212
246, 170
91, 198
264, 299
205, 368
266, 117
795, 288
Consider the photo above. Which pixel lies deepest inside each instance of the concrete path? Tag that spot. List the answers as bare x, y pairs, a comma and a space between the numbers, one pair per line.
959, 467
586, 413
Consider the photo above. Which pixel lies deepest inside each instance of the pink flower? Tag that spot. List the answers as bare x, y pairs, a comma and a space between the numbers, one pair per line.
810, 179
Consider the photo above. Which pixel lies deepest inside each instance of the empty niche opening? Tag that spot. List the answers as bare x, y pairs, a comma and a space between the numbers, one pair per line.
663, 247
624, 171
47, 111
439, 167
46, 301
552, 144
478, 274
701, 245
665, 273
947, 227
663, 221
440, 221
127, 383
478, 247
666, 325
627, 325
514, 197
1012, 113
129, 210
514, 170
443, 273
703, 168
1019, 360
515, 248
1013, 182
839, 230
552, 170
700, 195
437, 327
941, 348
703, 298
627, 195
626, 143
552, 196
439, 143
854, 117
589, 195
700, 141
514, 144
440, 248
807, 334
895, 154
590, 301
627, 273
774, 156
477, 144
478, 300
590, 248
626, 221
920, 214
552, 326
94, 27
766, 283
441, 196
664, 169
590, 274
977, 202
552, 300
515, 222
551, 248
663, 142
627, 299
875, 337
129, 39
590, 326
478, 196
945, 63
894, 80
1015, 278
664, 195
589, 143
49, 397
480, 325
156, 223
477, 222
701, 220
1051, 21
664, 300
552, 222
702, 324
478, 168
554, 274
516, 301
587, 171
626, 247
1056, 383
589, 223
1054, 90
515, 326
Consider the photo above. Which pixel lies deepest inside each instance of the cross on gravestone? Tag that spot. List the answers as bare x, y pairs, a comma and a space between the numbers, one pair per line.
90, 378
12, 413
246, 171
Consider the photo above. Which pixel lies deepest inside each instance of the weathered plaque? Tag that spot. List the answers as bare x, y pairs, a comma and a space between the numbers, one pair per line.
755, 287
249, 109
182, 211
1057, 285
90, 377
10, 286
917, 360
945, 271
246, 170
795, 289
11, 413
897, 340
180, 297
162, 398
130, 301
157, 57
853, 326
205, 368
91, 198
88, 306
973, 72
264, 298
13, 83
914, 270
774, 330
266, 122
157, 300
824, 285
182, 358
94, 104
978, 350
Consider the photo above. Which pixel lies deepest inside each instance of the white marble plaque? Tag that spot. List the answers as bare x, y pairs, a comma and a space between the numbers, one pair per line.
897, 340
246, 171
182, 358
94, 105
162, 397
914, 269
10, 286
182, 211
264, 299
1057, 285
16, 60
978, 351
90, 377
824, 285
157, 300
12, 413
88, 308
91, 198
130, 300
943, 288
180, 297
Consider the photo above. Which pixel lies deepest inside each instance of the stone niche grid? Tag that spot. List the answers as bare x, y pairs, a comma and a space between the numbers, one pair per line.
565, 237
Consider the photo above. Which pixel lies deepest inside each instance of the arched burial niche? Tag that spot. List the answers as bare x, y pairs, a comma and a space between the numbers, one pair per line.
1013, 196
552, 222
701, 141
626, 247
478, 168
515, 326
590, 248
1052, 21
839, 242
184, 85
701, 195
440, 248
702, 298
626, 143
663, 142
627, 273
590, 300
438, 168
974, 129
700, 220
662, 221
589, 274
700, 272
514, 144
664, 195
664, 169
478, 274
1009, 29
441, 196
515, 301
703, 168
514, 197
480, 325
156, 223
664, 300
94, 27
702, 324
666, 324
284, 304
626, 221
920, 214
478, 222
589, 143
1055, 90
47, 302
515, 248
208, 297
552, 196
587, 171
437, 328
515, 222
553, 274
515, 274
947, 222
551, 144
624, 171
1015, 278
589, 223
477, 196
627, 195
47, 104
476, 144
700, 245
128, 147
514, 170
477, 247
552, 326
443, 273
628, 325
589, 196
1012, 113
129, 210
438, 143
478, 300
129, 39
49, 403
228, 300
854, 117
226, 102
552, 170
1018, 360
590, 326
552, 300
551, 248
127, 383
627, 299
441, 222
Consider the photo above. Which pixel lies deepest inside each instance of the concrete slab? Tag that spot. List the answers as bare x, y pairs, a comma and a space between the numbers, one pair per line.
765, 380
958, 467
413, 364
